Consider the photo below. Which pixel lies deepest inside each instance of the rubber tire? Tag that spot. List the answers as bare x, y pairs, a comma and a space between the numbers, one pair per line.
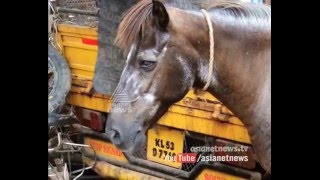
62, 84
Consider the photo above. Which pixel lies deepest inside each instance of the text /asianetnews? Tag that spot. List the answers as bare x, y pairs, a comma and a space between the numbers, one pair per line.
193, 157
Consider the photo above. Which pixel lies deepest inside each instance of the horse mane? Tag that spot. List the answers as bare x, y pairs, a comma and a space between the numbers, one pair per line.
242, 10
134, 20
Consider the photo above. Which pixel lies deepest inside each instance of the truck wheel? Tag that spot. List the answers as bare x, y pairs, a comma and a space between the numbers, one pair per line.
59, 80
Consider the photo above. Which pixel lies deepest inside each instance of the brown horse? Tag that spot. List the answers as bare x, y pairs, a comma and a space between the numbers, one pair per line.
168, 54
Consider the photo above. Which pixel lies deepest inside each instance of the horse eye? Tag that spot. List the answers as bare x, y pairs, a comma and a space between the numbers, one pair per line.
146, 64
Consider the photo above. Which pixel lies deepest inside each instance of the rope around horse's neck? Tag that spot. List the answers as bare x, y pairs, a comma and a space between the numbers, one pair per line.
209, 75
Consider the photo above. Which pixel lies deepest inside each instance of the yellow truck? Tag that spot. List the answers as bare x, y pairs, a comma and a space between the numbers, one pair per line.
199, 120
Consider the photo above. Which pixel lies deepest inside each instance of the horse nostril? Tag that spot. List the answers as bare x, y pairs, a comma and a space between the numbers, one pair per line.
114, 136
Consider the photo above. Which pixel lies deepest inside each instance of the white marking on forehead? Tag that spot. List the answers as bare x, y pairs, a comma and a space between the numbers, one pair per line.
133, 77
130, 78
133, 48
149, 97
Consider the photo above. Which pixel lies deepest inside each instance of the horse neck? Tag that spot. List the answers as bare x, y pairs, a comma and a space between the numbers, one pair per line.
241, 61
241, 71
241, 79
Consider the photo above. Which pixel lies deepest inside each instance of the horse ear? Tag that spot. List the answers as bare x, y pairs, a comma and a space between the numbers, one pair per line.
160, 15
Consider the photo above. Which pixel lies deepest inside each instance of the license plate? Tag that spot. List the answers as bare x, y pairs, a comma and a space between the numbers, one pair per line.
209, 174
164, 145
104, 149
